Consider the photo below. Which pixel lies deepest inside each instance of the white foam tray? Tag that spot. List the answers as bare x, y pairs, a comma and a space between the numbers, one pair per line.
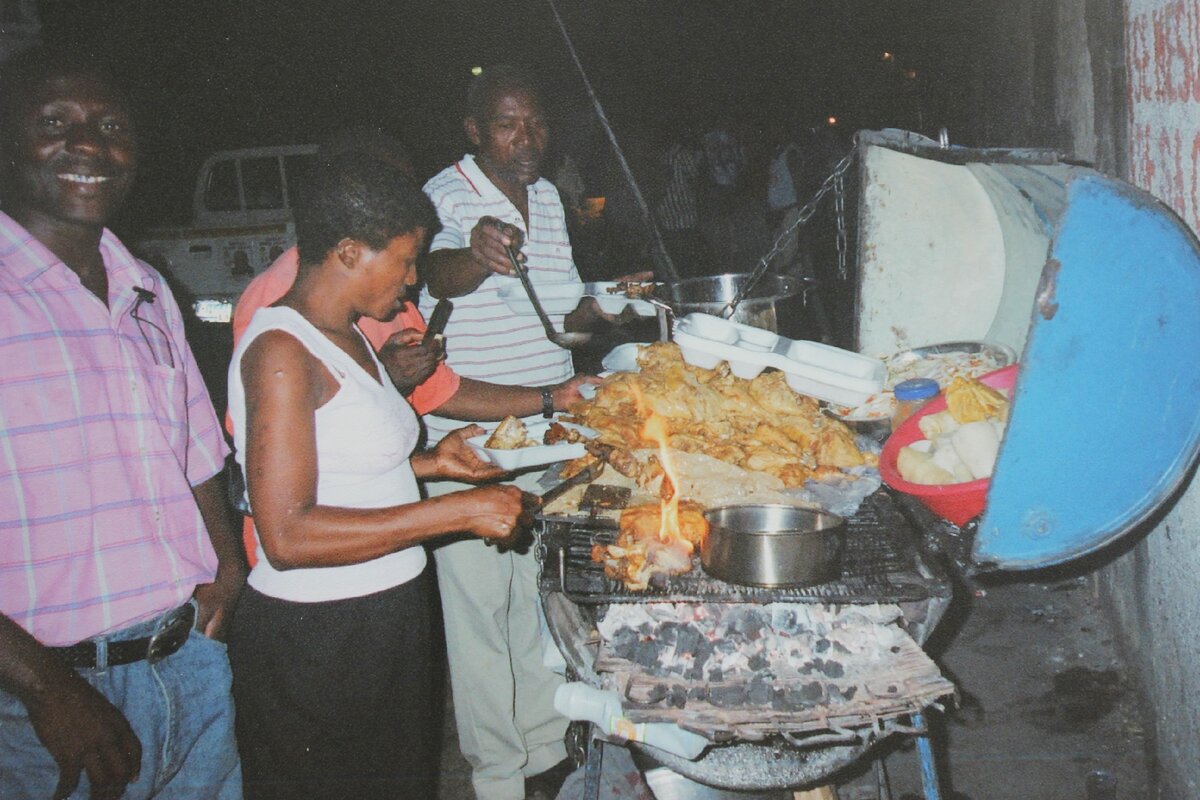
614, 302
622, 358
810, 368
534, 456
558, 297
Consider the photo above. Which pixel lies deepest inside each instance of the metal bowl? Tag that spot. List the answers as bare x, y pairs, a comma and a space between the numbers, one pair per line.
772, 545
712, 294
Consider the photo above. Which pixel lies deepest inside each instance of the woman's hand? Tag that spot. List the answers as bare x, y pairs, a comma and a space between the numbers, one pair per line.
500, 513
455, 459
408, 360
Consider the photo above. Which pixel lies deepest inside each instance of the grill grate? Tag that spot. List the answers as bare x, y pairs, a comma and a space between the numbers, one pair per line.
879, 565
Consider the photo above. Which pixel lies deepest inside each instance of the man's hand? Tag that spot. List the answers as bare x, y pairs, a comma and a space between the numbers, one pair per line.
457, 460
489, 238
83, 731
567, 392
216, 601
409, 362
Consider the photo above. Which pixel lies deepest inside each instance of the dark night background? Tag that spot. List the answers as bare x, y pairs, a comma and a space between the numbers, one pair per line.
214, 74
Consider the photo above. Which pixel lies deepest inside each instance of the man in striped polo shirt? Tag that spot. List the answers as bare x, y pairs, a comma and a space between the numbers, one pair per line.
503, 694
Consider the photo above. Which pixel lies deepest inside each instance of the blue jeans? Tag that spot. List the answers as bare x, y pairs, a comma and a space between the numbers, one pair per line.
181, 710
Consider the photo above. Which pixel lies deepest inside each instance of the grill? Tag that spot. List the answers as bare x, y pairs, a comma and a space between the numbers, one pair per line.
756, 748
879, 565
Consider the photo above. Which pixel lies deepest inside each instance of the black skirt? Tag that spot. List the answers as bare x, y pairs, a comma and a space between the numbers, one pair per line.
334, 698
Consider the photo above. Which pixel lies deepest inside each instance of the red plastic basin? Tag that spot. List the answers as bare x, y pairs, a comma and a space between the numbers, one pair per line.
956, 502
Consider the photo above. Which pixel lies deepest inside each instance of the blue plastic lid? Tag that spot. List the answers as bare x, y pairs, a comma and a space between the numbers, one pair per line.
916, 389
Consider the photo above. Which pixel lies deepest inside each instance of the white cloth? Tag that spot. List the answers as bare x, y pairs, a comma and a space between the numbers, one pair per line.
365, 435
484, 339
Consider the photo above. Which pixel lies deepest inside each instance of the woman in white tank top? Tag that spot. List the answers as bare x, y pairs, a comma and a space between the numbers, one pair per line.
331, 643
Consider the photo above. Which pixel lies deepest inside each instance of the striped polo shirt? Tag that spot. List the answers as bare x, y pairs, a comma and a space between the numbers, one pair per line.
105, 425
485, 340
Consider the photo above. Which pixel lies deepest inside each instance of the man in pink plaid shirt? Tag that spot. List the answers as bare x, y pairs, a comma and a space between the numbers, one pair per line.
118, 563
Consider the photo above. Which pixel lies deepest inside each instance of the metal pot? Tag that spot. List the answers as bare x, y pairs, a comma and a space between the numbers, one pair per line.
772, 545
711, 295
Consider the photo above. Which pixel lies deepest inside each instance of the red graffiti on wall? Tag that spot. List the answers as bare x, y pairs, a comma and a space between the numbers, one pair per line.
1164, 89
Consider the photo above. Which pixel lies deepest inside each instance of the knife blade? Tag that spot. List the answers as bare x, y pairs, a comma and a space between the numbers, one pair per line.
586, 475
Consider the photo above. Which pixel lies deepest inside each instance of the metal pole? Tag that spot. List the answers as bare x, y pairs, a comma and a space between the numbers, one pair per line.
929, 779
662, 258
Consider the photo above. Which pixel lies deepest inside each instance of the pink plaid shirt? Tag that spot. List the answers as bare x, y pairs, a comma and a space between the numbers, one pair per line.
105, 425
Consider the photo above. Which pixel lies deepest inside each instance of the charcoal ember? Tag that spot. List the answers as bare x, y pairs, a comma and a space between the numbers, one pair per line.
790, 699
813, 692
645, 653
668, 632
760, 691
727, 696
676, 668
786, 621
726, 645
758, 661
696, 673
624, 642
687, 639
678, 697
747, 622
697, 693
822, 645
657, 693
840, 695
833, 669
841, 648
808, 667
715, 675
660, 581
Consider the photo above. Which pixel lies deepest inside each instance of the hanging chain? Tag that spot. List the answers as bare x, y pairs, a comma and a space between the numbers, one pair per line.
839, 208
834, 182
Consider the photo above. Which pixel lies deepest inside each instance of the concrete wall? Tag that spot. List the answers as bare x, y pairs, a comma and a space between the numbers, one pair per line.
1116, 84
1153, 589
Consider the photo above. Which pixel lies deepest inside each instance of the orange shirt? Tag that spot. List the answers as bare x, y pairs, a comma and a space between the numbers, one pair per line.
274, 282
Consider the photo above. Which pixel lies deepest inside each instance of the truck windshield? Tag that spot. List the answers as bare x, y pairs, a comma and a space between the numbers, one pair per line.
262, 183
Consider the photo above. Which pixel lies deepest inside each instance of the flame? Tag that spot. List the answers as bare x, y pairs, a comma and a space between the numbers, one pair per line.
656, 430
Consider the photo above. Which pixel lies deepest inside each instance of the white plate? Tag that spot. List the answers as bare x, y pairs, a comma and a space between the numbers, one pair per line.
612, 301
534, 456
557, 298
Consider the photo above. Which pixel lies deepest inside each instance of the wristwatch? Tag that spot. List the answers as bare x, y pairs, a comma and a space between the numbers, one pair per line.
547, 404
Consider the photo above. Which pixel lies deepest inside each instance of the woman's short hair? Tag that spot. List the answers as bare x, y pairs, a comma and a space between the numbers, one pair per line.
354, 195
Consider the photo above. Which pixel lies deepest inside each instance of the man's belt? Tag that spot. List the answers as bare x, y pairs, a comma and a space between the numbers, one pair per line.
172, 632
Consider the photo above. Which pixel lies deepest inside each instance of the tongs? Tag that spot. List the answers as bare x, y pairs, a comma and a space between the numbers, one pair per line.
561, 339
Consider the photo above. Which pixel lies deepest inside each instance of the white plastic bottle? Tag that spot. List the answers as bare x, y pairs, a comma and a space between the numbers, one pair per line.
578, 701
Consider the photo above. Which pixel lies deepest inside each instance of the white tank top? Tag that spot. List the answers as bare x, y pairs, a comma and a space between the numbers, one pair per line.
365, 435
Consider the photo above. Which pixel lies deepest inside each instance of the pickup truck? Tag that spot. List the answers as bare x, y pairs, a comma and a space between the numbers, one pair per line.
241, 222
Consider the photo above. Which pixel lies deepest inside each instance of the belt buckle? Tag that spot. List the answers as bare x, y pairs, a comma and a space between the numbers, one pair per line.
171, 634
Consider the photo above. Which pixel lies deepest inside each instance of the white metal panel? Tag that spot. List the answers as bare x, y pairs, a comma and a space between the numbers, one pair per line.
933, 258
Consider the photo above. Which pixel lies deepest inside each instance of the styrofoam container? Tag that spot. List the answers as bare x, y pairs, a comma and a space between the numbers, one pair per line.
622, 358
612, 301
535, 456
810, 368
559, 297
